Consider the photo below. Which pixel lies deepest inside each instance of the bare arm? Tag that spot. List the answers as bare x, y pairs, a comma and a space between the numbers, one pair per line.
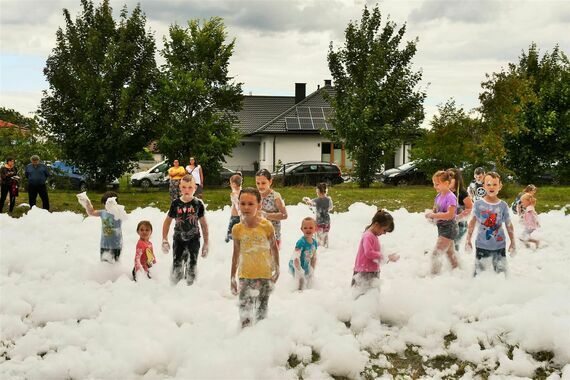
331, 205
166, 227
201, 176
470, 229
91, 211
468, 207
205, 235
275, 254
511, 232
235, 260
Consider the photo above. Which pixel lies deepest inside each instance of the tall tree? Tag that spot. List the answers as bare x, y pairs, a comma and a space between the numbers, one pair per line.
198, 99
526, 110
377, 105
101, 77
453, 140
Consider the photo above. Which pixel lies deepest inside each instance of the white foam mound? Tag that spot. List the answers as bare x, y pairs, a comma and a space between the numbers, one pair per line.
64, 314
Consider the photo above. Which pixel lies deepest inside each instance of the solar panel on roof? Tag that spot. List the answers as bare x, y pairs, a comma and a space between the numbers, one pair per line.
292, 123
303, 112
306, 123
317, 112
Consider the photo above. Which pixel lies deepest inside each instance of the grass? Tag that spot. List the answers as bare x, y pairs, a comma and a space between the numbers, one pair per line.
413, 198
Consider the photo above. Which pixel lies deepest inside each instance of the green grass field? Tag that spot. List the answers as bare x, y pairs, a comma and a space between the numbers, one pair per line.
413, 198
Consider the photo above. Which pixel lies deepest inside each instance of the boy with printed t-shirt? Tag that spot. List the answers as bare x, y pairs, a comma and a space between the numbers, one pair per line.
490, 213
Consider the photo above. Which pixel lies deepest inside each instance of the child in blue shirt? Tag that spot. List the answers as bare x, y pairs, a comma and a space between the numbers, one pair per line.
302, 264
490, 213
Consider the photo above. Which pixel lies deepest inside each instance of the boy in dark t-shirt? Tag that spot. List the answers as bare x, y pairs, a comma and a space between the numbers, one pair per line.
188, 212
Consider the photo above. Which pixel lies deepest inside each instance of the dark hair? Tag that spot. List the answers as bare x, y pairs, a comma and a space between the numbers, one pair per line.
251, 190
384, 219
322, 187
494, 175
478, 171
107, 195
9, 158
237, 179
456, 174
144, 223
442, 175
263, 172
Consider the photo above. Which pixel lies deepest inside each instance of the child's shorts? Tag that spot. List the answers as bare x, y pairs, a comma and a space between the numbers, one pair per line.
364, 279
484, 257
323, 227
447, 229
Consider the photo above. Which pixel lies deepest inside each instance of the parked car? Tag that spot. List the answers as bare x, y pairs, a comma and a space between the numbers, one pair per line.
65, 176
155, 176
406, 174
309, 173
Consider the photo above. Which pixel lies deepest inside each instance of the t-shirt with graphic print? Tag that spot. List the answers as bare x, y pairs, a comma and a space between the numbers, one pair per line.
304, 251
111, 234
322, 207
476, 190
186, 215
490, 218
269, 205
444, 202
144, 255
255, 259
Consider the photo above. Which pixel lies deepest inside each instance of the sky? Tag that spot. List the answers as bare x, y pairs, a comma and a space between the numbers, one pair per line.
280, 42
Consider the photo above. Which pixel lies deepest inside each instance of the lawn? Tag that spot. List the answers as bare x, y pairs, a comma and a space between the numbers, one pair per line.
413, 198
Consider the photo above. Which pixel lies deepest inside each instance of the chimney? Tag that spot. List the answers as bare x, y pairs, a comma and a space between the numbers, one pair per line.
300, 91
328, 83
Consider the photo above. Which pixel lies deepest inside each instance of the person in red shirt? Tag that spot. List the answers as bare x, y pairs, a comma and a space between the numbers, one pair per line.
144, 256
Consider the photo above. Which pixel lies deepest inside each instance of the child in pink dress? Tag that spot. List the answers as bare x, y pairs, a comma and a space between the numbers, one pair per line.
529, 220
144, 256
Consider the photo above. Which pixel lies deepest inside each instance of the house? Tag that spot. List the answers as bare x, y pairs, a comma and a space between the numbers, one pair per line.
281, 129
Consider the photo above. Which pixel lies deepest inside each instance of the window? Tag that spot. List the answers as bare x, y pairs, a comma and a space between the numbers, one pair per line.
326, 151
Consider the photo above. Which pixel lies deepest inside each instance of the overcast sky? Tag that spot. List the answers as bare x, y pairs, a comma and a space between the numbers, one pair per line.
280, 42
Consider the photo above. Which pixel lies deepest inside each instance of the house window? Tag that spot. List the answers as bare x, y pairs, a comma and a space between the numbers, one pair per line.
263, 152
326, 151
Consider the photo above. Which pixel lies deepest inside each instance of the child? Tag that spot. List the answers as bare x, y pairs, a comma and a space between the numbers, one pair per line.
444, 215
272, 205
529, 219
491, 213
111, 233
302, 264
516, 205
188, 213
476, 189
369, 256
255, 249
235, 184
144, 256
323, 204
464, 204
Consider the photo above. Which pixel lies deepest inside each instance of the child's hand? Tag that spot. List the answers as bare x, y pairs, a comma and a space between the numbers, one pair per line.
468, 246
275, 274
233, 286
205, 250
306, 200
393, 257
512, 250
165, 246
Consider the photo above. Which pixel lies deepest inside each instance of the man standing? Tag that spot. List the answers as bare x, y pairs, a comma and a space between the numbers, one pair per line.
37, 174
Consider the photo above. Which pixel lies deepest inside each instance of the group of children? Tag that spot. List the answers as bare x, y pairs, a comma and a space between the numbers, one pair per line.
255, 229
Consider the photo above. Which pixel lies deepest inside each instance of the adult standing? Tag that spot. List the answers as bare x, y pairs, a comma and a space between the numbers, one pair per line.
195, 170
176, 172
37, 175
9, 180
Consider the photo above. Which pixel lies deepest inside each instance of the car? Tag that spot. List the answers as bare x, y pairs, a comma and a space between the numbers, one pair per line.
155, 176
406, 174
66, 176
309, 173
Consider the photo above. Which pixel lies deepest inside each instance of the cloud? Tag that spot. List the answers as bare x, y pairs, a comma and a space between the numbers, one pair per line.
468, 11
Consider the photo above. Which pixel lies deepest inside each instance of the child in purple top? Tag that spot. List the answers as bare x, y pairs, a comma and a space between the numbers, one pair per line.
369, 256
444, 215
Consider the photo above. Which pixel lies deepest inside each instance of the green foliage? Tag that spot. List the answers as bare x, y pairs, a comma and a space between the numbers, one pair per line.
376, 106
21, 143
453, 141
198, 100
101, 75
526, 108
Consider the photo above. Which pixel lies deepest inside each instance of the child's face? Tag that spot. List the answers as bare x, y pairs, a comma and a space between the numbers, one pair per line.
308, 228
235, 187
144, 232
378, 230
248, 205
440, 185
263, 184
479, 177
187, 188
526, 201
492, 186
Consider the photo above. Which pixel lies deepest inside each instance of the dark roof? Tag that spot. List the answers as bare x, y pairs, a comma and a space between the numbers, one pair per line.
258, 110
266, 114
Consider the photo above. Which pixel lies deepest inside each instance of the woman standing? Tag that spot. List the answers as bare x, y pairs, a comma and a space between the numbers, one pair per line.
175, 173
9, 179
195, 171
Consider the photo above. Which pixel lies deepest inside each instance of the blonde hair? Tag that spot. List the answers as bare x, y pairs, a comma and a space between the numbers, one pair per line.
188, 178
494, 175
308, 219
442, 175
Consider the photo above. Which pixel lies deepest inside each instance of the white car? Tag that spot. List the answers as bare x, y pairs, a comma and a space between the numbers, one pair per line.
155, 176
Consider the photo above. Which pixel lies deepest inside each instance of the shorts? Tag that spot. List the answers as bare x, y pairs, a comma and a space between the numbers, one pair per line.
364, 279
497, 257
323, 227
447, 229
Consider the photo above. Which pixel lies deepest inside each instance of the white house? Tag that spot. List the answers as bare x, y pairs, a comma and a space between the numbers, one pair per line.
282, 129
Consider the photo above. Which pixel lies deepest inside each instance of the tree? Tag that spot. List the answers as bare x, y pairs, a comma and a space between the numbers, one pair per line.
101, 77
376, 106
198, 99
526, 110
452, 141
